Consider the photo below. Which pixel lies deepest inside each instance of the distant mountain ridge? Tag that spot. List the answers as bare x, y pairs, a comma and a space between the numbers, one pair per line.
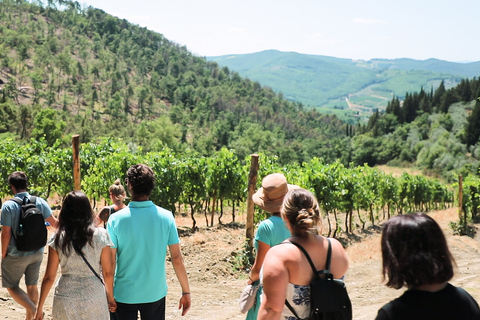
346, 85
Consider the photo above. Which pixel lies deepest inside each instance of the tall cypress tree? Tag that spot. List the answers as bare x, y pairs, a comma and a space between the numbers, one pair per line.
472, 127
450, 97
409, 108
437, 96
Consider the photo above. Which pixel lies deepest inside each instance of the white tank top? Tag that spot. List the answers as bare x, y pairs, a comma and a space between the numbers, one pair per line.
299, 299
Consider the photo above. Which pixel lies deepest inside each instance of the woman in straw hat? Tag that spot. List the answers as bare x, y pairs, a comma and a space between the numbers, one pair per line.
271, 231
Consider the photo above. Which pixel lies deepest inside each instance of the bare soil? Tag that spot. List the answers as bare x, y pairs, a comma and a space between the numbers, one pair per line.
209, 256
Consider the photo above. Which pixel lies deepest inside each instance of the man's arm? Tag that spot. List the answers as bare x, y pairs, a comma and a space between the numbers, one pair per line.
181, 272
53, 221
6, 235
108, 270
42, 204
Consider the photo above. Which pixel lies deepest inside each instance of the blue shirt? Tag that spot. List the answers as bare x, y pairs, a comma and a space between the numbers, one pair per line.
141, 233
271, 231
11, 218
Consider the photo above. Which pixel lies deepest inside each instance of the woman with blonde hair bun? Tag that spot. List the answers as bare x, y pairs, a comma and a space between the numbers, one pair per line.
287, 273
117, 196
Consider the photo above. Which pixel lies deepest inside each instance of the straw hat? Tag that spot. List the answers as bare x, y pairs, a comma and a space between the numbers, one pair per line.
270, 196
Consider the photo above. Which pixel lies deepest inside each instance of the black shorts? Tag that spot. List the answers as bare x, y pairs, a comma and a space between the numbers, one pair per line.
148, 311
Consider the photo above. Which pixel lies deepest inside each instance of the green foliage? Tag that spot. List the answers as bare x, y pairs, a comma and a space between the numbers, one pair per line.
90, 73
470, 204
434, 140
364, 82
243, 259
194, 180
48, 125
86, 72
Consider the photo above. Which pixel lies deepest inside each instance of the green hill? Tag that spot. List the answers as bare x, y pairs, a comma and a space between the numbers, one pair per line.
327, 82
69, 70
65, 69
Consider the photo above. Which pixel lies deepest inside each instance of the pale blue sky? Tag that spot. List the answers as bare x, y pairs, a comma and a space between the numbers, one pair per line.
357, 29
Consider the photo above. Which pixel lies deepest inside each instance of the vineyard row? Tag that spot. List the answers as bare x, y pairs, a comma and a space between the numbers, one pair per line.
197, 181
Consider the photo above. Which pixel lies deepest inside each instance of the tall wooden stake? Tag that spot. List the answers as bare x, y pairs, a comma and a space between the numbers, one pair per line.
252, 184
76, 162
460, 204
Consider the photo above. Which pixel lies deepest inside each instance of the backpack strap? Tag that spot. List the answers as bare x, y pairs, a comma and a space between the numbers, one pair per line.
291, 309
329, 258
316, 272
19, 201
33, 200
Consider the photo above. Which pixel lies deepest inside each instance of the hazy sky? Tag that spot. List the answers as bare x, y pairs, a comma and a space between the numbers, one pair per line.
357, 29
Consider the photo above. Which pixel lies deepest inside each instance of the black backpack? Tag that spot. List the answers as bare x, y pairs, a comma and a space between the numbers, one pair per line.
329, 299
32, 232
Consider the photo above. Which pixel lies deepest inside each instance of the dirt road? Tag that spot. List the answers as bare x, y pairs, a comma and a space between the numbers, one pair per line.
215, 286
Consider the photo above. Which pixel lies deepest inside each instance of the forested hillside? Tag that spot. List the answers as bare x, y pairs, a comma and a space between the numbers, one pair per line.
436, 131
346, 87
67, 69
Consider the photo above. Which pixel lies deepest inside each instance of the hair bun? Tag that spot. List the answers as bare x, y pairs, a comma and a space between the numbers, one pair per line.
303, 211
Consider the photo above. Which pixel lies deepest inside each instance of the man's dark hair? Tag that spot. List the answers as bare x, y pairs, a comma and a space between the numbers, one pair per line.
19, 180
415, 252
141, 179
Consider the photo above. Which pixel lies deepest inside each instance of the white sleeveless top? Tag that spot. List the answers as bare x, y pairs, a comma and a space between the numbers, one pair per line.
299, 298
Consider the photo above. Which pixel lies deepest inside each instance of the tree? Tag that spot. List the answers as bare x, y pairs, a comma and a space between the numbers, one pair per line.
409, 108
437, 96
8, 114
449, 98
472, 127
48, 125
25, 120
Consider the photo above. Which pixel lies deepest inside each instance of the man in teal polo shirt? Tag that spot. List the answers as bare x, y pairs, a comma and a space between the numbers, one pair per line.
141, 234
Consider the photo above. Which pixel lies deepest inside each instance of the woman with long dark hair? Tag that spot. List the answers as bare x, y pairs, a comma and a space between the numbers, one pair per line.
83, 252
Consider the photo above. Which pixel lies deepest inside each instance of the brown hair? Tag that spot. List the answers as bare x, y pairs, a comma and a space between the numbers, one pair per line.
300, 208
415, 252
117, 190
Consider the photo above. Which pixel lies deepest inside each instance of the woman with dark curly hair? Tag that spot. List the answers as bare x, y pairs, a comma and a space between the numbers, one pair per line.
415, 255
80, 292
287, 273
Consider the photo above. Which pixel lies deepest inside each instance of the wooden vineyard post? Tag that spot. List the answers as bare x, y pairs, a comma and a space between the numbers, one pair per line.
460, 204
252, 184
76, 162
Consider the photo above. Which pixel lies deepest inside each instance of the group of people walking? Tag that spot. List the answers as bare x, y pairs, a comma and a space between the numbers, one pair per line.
118, 270
415, 255
112, 273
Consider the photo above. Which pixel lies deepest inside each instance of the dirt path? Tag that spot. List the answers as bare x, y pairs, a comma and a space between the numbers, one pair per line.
215, 286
